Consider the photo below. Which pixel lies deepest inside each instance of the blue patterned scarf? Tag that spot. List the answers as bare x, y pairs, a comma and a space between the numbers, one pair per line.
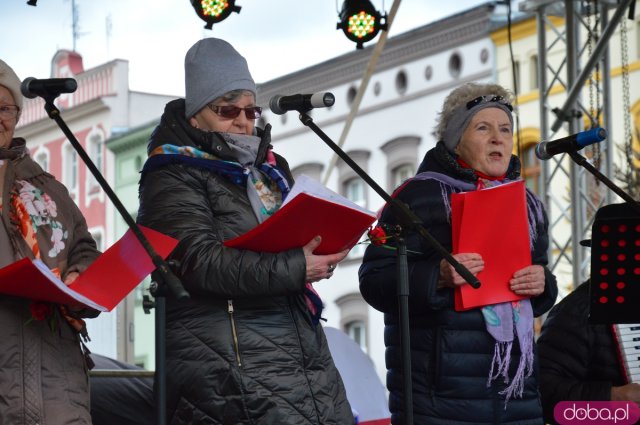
266, 184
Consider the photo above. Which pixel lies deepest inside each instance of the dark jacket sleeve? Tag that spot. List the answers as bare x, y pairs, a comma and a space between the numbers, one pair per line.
201, 210
577, 360
379, 274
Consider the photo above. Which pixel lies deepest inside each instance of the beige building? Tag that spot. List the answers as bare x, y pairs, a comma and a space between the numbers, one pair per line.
561, 187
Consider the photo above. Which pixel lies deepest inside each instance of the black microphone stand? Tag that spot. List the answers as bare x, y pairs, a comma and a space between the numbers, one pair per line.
163, 275
582, 161
409, 222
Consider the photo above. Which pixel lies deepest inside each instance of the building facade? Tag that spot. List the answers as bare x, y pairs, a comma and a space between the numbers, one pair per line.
101, 107
391, 132
624, 56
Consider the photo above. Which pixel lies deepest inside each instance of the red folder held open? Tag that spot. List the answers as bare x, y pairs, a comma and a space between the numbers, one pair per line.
311, 209
101, 286
493, 223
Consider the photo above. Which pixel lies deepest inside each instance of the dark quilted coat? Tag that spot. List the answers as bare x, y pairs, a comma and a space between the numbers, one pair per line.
451, 351
578, 361
242, 349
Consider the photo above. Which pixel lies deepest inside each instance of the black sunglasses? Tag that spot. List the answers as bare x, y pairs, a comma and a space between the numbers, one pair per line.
231, 112
484, 99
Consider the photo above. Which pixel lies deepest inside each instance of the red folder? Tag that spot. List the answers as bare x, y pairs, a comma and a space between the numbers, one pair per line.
101, 286
492, 222
310, 210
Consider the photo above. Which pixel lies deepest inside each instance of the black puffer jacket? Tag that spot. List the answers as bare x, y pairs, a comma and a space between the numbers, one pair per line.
242, 349
578, 361
451, 351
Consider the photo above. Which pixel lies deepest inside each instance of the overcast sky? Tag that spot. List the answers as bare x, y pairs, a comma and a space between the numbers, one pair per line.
276, 36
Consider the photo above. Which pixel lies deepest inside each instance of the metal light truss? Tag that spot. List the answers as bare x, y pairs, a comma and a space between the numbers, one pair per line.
575, 207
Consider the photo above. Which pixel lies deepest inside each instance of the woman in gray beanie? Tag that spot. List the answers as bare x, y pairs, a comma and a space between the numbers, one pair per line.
43, 372
246, 348
475, 366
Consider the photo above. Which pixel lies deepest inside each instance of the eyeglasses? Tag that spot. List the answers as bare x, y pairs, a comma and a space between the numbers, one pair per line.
9, 111
231, 112
484, 99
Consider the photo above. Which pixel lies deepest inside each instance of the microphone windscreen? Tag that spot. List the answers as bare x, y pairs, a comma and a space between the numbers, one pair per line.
274, 105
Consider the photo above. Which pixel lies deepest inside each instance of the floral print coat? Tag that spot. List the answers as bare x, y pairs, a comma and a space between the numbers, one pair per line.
43, 374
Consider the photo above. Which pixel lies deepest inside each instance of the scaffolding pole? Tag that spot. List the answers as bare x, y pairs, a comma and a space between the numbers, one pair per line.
570, 194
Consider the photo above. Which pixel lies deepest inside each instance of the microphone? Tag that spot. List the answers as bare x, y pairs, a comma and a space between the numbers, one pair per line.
32, 87
300, 102
573, 143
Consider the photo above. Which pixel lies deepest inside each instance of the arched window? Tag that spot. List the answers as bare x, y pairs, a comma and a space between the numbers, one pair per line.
354, 318
98, 236
357, 330
95, 150
401, 173
402, 155
41, 156
533, 72
530, 172
70, 170
311, 169
354, 188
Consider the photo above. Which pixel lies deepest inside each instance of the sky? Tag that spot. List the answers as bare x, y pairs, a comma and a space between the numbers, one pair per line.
276, 37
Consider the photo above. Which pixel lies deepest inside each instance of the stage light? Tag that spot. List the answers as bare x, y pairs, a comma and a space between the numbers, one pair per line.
214, 11
360, 21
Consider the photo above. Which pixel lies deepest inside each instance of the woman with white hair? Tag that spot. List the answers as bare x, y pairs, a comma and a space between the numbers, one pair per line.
475, 366
43, 370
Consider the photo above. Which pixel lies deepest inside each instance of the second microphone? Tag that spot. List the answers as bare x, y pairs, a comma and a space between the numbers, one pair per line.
300, 102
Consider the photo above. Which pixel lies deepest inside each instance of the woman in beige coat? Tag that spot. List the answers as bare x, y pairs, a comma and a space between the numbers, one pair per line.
43, 372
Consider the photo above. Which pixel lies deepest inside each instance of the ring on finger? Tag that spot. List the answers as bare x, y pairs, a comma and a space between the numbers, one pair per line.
331, 268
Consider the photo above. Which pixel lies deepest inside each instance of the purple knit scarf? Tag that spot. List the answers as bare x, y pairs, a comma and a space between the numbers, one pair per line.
506, 321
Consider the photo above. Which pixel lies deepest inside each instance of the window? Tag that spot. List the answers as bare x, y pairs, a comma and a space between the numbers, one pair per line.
638, 39
70, 171
533, 72
354, 188
311, 169
354, 191
484, 55
402, 81
516, 72
402, 155
98, 237
402, 173
42, 158
357, 331
351, 95
354, 318
455, 65
531, 171
95, 150
428, 72
531, 168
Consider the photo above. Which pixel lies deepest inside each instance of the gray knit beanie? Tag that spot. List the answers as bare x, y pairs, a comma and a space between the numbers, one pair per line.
461, 117
212, 68
10, 80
